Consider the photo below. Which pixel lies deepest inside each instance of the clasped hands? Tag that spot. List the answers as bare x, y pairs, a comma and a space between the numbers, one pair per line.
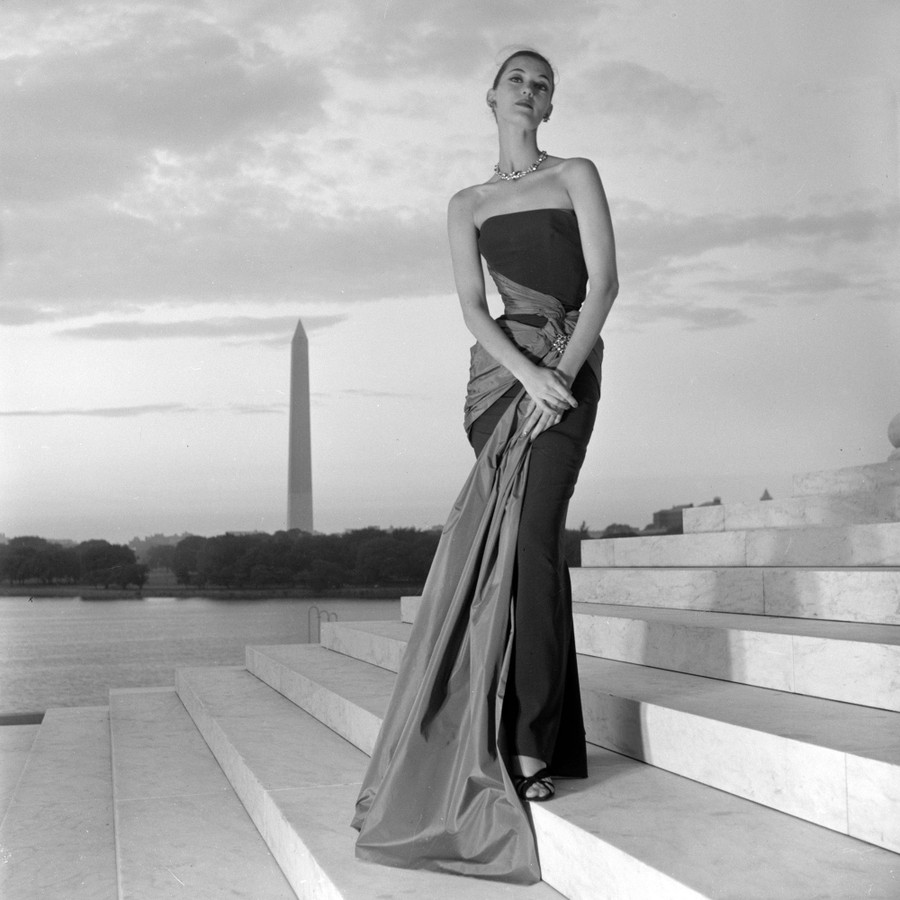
550, 398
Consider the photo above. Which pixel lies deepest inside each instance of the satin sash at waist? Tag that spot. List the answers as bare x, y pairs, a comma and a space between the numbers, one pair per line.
488, 380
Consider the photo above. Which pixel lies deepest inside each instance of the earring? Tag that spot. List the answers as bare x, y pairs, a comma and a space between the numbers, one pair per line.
546, 118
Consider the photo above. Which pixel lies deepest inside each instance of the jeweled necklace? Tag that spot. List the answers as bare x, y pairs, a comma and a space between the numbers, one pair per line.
521, 173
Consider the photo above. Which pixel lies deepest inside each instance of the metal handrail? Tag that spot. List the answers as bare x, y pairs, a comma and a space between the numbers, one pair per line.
328, 616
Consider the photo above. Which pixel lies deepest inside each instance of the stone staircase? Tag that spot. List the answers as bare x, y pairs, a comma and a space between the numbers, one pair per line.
741, 688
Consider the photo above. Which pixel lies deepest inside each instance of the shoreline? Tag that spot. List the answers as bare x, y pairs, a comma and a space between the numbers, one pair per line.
91, 593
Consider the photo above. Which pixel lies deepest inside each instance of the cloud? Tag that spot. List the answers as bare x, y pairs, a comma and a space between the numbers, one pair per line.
459, 36
219, 327
630, 89
366, 392
697, 317
225, 255
254, 409
672, 265
647, 237
104, 412
128, 412
83, 114
22, 314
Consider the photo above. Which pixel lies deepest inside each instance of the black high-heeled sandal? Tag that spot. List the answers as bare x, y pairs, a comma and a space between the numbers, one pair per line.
524, 782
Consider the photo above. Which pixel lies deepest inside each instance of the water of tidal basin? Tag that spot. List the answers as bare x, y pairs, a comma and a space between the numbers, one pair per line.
70, 652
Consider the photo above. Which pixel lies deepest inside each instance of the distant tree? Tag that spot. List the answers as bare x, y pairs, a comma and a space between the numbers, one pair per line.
102, 562
19, 558
185, 561
131, 573
616, 530
28, 558
324, 574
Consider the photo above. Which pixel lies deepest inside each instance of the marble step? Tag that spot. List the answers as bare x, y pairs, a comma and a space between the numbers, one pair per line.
15, 745
299, 781
797, 512
181, 830
850, 545
868, 595
854, 663
57, 838
628, 831
832, 763
851, 480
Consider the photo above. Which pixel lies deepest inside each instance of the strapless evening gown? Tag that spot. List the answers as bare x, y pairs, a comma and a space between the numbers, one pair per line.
438, 794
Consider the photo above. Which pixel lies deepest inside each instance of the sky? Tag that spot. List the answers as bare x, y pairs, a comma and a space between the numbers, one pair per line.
181, 181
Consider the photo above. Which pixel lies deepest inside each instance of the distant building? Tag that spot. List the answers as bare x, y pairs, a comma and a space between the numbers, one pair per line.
668, 521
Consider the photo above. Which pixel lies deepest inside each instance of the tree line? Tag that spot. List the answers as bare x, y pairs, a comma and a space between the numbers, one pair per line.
364, 557
34, 560
361, 557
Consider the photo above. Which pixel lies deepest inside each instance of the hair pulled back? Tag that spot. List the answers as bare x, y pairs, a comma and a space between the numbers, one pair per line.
533, 54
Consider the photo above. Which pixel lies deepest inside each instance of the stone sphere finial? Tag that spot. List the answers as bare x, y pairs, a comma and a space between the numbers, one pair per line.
894, 436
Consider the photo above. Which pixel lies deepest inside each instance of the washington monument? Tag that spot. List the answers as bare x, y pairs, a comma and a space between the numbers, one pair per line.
300, 509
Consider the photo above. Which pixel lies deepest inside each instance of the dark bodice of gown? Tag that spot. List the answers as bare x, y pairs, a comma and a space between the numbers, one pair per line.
538, 248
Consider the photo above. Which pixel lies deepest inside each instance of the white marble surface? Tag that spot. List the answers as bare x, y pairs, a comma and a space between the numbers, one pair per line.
850, 480
715, 651
628, 831
61, 850
180, 828
860, 595
703, 518
851, 545
15, 745
373, 642
710, 549
786, 751
850, 662
201, 846
853, 595
873, 797
57, 839
853, 672
855, 663
157, 751
797, 512
408, 608
736, 590
651, 834
300, 780
349, 696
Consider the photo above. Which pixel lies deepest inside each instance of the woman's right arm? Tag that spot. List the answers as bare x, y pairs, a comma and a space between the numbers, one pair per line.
545, 386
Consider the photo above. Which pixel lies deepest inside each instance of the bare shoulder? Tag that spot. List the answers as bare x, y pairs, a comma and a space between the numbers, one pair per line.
578, 171
464, 202
465, 205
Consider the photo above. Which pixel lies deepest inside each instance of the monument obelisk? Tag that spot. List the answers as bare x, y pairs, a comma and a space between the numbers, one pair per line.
300, 509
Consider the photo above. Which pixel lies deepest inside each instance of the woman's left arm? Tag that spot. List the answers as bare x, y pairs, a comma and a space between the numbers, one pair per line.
599, 248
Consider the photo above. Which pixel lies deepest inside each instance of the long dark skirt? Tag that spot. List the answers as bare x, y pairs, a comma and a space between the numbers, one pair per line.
542, 709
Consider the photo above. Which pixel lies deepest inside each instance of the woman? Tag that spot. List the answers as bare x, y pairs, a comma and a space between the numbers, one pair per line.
486, 707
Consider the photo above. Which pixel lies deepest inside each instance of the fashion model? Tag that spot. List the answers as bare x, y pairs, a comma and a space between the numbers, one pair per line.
486, 710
